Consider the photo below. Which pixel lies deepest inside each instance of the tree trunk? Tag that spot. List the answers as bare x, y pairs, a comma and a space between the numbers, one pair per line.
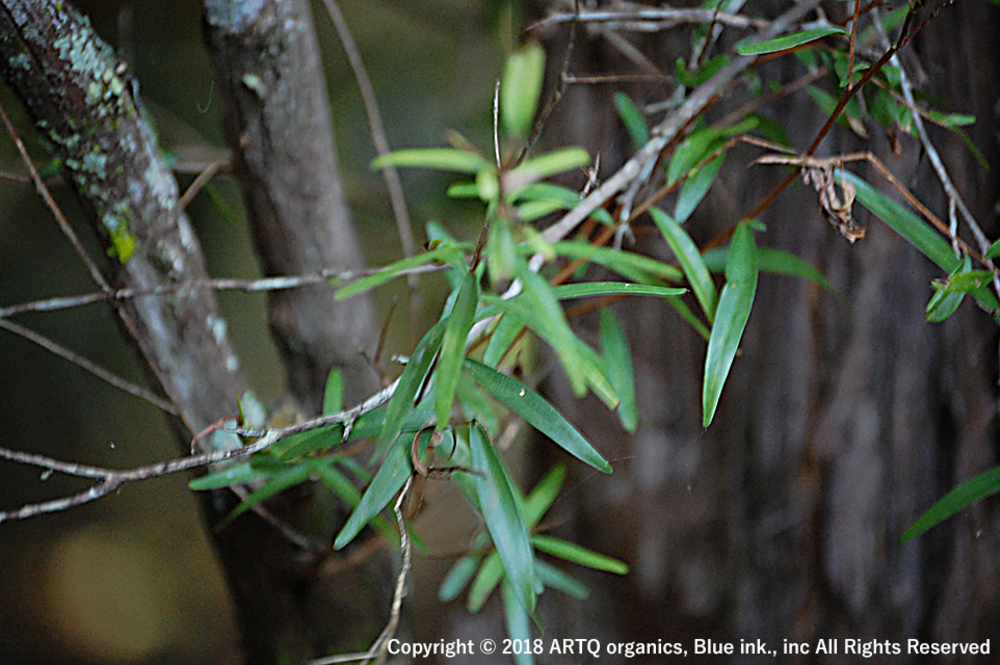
841, 422
86, 107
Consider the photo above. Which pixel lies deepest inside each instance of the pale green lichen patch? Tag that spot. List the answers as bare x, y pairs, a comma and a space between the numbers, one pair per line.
116, 224
94, 162
21, 61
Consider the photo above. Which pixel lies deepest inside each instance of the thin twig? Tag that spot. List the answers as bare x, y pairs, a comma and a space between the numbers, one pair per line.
200, 181
671, 126
217, 284
67, 230
392, 182
112, 479
654, 20
90, 366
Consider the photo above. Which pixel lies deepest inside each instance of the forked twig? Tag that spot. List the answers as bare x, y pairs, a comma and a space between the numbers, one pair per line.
112, 479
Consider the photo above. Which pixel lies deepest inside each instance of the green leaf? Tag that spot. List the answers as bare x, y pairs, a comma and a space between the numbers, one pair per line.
501, 250
945, 301
695, 187
518, 627
694, 78
414, 373
980, 487
522, 85
994, 250
544, 197
542, 167
556, 579
441, 253
537, 412
580, 555
390, 479
635, 267
234, 475
545, 316
916, 231
690, 259
333, 395
731, 317
456, 332
504, 335
700, 143
789, 41
951, 120
541, 497
618, 362
771, 260
503, 518
587, 289
276, 483
458, 577
345, 489
486, 580
632, 118
441, 159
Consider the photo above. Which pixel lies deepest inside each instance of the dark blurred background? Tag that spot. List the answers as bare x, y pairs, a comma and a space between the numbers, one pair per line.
841, 423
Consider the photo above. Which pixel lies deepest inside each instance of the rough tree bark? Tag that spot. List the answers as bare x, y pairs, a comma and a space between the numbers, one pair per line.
86, 107
838, 426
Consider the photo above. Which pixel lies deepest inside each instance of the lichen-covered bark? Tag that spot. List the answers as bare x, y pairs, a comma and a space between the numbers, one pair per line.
85, 107
278, 120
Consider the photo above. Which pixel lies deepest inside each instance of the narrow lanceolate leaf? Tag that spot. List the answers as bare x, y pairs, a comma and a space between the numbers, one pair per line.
585, 289
522, 84
634, 121
980, 487
695, 187
771, 260
458, 577
789, 41
580, 555
691, 262
413, 376
504, 335
544, 315
537, 412
636, 267
390, 479
915, 230
277, 483
486, 580
543, 495
517, 623
618, 362
456, 331
237, 474
539, 168
730, 318
442, 253
441, 159
556, 579
503, 518
333, 396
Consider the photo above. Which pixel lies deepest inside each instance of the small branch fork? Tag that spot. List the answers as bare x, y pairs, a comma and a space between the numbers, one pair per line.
112, 479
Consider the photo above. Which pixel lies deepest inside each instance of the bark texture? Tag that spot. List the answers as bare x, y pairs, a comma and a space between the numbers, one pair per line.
87, 109
268, 66
841, 423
